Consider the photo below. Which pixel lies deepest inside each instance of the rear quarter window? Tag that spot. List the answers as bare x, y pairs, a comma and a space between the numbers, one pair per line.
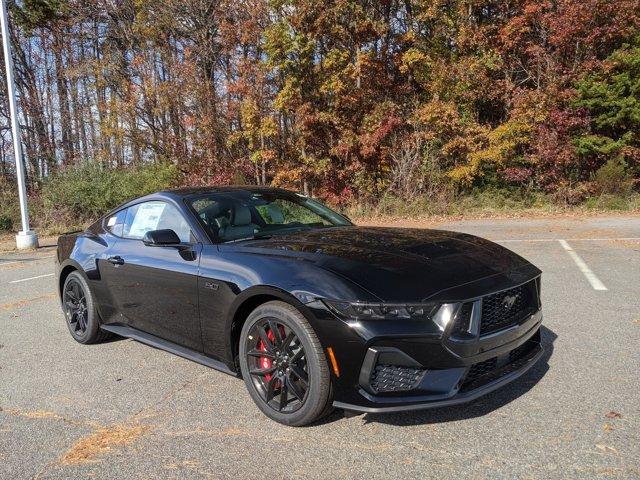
115, 223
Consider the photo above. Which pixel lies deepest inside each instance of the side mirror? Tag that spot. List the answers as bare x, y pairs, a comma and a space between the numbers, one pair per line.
161, 238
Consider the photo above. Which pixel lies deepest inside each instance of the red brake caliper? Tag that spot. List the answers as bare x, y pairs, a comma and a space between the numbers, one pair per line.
265, 362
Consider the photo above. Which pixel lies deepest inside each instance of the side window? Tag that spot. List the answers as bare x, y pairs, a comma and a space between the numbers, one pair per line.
148, 216
209, 211
115, 223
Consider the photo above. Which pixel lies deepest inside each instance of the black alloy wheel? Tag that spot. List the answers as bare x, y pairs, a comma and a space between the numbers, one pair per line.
277, 365
75, 306
80, 311
284, 366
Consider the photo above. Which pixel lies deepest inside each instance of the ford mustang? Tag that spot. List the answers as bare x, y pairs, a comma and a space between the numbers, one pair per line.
311, 311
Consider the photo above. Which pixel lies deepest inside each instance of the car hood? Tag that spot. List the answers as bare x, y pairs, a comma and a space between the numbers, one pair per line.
397, 264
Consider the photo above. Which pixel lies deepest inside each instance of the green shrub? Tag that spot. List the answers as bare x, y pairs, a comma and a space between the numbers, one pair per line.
9, 206
75, 196
489, 200
6, 223
613, 178
610, 202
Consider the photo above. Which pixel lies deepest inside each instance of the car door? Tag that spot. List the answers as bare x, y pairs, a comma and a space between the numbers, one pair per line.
155, 288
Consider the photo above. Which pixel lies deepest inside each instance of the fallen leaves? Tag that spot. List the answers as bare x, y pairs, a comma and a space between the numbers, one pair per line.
606, 448
613, 414
21, 303
608, 427
88, 449
45, 415
31, 413
183, 464
41, 414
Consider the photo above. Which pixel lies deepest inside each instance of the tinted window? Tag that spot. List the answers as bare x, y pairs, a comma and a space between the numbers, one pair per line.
244, 214
148, 216
115, 223
282, 212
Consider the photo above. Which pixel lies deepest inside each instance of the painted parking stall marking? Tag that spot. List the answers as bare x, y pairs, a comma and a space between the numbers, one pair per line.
584, 268
32, 278
13, 262
577, 239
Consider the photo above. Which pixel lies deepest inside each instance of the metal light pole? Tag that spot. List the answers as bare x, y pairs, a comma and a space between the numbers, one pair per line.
26, 238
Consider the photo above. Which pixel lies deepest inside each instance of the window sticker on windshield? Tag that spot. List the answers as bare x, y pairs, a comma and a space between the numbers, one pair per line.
146, 219
112, 221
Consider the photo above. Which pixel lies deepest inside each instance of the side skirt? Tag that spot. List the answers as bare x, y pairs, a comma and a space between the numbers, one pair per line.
157, 342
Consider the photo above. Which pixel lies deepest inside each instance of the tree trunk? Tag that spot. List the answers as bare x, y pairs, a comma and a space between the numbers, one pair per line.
63, 98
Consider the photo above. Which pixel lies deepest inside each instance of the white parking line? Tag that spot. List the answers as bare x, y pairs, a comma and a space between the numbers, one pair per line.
577, 239
31, 278
586, 271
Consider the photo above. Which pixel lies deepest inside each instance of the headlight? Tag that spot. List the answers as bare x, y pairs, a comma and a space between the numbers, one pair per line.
445, 314
382, 311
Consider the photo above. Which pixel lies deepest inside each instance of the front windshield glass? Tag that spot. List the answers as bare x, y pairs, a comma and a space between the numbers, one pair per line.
245, 214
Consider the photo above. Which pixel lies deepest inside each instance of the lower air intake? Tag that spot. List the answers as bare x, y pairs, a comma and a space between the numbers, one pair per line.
395, 378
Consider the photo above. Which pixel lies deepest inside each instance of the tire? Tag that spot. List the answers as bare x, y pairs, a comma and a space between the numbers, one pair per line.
288, 366
83, 323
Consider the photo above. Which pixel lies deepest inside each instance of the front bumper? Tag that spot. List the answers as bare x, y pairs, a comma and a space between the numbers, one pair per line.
444, 372
457, 393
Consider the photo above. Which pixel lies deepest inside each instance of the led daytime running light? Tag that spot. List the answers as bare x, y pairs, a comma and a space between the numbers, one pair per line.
381, 311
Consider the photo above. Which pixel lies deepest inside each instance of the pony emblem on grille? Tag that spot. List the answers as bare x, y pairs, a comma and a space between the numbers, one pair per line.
509, 301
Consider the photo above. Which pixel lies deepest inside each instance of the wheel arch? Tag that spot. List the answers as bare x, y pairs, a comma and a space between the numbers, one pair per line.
65, 270
247, 302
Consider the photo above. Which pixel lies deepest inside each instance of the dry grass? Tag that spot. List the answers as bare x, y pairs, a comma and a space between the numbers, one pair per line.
21, 303
36, 414
88, 449
423, 220
47, 415
8, 241
631, 244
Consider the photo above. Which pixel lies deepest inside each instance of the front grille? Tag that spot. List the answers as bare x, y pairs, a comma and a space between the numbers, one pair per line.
504, 309
494, 368
480, 369
395, 378
518, 353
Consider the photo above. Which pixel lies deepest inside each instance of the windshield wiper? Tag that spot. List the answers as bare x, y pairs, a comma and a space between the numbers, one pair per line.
282, 231
254, 237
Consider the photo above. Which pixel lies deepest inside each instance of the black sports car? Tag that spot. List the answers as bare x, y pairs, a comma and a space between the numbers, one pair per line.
312, 311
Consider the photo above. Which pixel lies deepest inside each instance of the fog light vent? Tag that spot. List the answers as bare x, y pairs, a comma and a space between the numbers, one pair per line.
395, 378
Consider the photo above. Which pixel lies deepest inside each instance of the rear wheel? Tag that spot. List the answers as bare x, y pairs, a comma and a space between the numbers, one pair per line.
80, 311
283, 365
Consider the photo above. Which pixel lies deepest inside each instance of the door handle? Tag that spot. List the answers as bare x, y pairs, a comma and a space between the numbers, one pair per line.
117, 260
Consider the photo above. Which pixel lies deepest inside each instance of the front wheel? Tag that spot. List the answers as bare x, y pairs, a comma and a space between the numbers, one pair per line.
283, 365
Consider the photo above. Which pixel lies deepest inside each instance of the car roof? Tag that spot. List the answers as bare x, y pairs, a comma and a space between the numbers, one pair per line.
190, 191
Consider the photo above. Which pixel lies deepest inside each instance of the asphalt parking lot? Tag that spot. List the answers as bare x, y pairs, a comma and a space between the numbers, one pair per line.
124, 410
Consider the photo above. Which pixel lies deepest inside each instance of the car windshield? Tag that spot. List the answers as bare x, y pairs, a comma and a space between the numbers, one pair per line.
244, 214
